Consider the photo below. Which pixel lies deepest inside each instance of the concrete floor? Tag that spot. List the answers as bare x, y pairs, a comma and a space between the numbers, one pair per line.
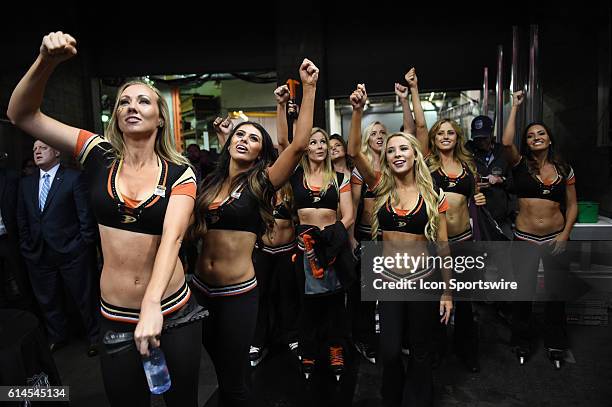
585, 380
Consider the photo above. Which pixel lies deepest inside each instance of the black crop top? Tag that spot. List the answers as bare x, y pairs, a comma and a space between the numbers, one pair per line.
281, 211
462, 184
239, 211
305, 197
115, 210
529, 186
408, 221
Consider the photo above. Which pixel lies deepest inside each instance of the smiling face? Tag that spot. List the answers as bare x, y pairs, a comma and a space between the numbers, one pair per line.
246, 143
336, 149
537, 138
376, 137
399, 155
138, 110
446, 137
317, 148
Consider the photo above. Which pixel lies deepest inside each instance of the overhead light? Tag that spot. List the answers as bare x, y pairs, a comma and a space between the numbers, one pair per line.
243, 116
105, 118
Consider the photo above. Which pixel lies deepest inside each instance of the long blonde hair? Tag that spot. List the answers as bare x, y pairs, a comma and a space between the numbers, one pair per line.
365, 140
460, 152
164, 146
329, 175
386, 188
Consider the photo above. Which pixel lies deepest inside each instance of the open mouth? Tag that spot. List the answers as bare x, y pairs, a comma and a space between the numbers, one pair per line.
399, 163
133, 119
242, 149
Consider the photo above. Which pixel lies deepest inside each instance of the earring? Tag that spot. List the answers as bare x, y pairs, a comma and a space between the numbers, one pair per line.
161, 123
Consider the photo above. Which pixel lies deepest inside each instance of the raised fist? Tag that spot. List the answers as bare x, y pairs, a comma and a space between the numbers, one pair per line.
58, 47
411, 78
222, 126
358, 97
517, 98
282, 94
309, 73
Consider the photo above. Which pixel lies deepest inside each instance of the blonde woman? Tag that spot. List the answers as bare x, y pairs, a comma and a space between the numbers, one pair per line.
318, 193
409, 212
372, 139
142, 192
453, 170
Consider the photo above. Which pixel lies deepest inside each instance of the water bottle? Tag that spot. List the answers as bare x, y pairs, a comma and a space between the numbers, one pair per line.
156, 371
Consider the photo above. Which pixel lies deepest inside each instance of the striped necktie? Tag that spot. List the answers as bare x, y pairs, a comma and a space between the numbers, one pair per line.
44, 191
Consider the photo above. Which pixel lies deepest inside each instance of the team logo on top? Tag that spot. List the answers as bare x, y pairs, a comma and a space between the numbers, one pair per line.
478, 124
316, 199
546, 191
128, 219
452, 184
401, 224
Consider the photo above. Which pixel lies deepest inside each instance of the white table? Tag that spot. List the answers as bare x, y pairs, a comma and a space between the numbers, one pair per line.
602, 230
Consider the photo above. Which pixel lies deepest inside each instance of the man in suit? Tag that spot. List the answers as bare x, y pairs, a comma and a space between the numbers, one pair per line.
57, 231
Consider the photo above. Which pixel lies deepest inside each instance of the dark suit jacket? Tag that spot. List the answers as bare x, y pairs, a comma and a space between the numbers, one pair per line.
9, 185
66, 223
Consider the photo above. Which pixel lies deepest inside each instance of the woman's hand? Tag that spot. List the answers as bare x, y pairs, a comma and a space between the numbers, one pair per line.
517, 98
223, 127
149, 327
309, 73
358, 97
479, 199
57, 47
282, 94
401, 91
411, 78
446, 306
559, 244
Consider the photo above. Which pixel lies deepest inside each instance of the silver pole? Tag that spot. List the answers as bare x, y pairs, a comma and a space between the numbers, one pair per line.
515, 81
499, 90
485, 93
515, 50
534, 97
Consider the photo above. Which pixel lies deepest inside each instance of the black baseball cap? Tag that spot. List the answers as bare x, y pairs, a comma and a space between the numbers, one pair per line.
482, 126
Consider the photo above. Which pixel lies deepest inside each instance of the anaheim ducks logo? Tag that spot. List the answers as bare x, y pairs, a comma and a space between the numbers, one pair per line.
546, 191
452, 184
401, 224
128, 219
316, 199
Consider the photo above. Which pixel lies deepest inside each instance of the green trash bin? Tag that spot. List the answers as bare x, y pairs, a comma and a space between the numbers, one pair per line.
588, 212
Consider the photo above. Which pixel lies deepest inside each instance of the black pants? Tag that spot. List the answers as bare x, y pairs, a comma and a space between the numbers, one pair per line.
412, 386
123, 374
46, 277
279, 298
465, 335
324, 322
526, 260
227, 337
362, 316
363, 322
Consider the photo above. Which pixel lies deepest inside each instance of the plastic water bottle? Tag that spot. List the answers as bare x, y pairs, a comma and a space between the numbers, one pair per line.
156, 371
